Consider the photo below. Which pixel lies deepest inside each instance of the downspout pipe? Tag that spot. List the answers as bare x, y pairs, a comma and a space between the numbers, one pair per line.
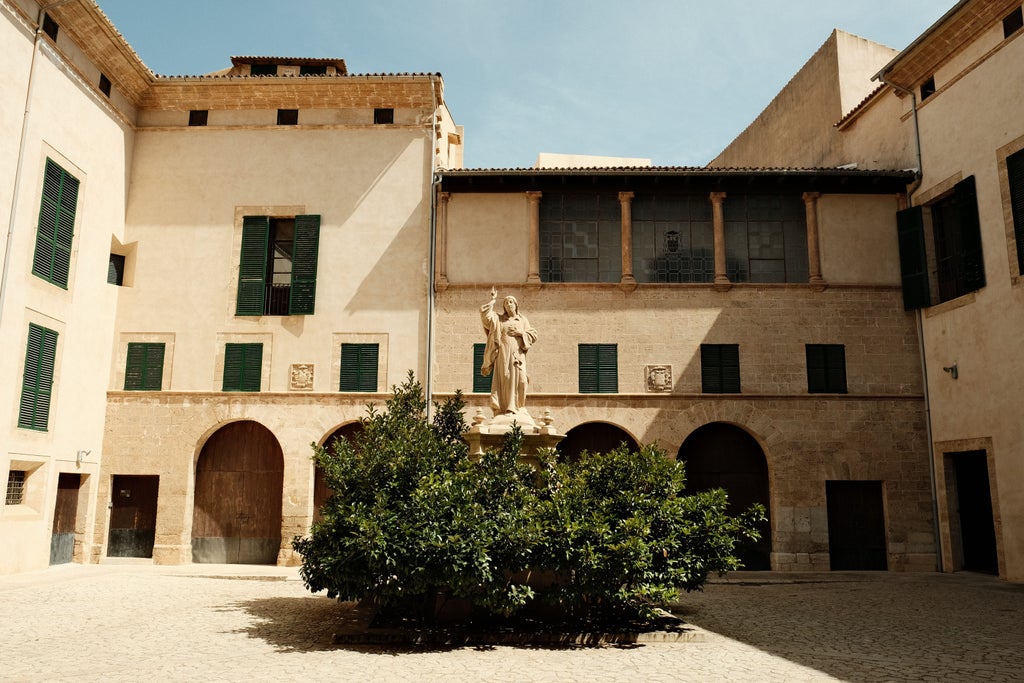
435, 181
880, 76
21, 151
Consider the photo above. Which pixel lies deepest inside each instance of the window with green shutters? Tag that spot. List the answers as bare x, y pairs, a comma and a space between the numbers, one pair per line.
144, 367
359, 367
51, 259
913, 258
278, 264
1015, 173
826, 368
243, 367
720, 368
481, 384
37, 382
599, 368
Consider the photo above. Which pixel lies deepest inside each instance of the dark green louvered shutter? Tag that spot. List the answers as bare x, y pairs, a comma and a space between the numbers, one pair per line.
51, 259
972, 258
144, 367
37, 382
913, 259
304, 257
826, 368
720, 368
1015, 173
243, 367
359, 367
481, 384
252, 269
598, 368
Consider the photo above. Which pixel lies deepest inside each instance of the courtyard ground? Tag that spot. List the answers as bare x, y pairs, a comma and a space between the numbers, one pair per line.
235, 623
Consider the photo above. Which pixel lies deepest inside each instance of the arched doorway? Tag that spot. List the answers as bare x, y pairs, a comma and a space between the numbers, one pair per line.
720, 455
237, 513
321, 491
596, 437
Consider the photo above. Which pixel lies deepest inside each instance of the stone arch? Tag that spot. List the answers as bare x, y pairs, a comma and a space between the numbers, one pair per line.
596, 437
321, 491
236, 514
724, 455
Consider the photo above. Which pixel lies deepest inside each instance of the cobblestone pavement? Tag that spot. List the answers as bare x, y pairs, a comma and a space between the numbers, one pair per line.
222, 623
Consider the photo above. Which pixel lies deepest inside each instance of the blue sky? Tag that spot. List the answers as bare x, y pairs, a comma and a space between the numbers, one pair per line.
669, 80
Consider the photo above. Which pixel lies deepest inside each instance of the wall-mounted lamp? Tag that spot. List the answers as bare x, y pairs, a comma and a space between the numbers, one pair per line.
81, 456
953, 372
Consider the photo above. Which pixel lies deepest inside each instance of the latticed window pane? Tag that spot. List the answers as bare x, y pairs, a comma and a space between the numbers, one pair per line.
765, 238
580, 238
673, 239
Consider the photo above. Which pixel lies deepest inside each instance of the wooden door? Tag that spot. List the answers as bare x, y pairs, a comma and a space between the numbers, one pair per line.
237, 514
723, 456
132, 516
62, 542
856, 525
974, 501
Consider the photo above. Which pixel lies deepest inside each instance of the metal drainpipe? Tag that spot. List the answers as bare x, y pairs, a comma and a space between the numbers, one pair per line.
21, 151
920, 335
435, 180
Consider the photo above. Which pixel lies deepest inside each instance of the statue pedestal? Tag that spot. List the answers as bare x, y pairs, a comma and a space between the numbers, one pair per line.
483, 435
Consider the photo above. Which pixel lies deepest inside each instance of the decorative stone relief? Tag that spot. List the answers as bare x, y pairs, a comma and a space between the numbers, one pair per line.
301, 377
659, 378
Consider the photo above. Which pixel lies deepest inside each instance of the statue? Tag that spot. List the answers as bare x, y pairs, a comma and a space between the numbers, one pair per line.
509, 337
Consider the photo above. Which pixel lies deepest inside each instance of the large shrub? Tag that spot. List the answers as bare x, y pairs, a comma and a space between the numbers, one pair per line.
412, 517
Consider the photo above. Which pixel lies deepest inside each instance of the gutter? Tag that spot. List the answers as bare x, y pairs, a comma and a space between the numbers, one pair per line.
21, 151
435, 181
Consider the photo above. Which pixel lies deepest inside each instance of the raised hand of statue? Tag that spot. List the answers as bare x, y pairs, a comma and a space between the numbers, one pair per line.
494, 293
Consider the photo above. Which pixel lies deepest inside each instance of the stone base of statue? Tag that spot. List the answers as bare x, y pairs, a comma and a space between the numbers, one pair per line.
484, 435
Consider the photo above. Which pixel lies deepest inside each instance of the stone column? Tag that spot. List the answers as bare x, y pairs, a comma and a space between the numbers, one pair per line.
628, 282
533, 274
441, 244
813, 256
722, 283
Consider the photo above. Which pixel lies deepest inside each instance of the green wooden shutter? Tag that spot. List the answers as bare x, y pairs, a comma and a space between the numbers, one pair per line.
243, 367
144, 367
588, 380
481, 384
972, 258
359, 367
817, 379
730, 368
913, 259
720, 368
598, 368
304, 259
252, 268
826, 368
1015, 172
37, 381
51, 259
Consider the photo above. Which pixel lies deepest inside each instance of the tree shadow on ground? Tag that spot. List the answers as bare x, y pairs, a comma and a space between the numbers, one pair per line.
312, 624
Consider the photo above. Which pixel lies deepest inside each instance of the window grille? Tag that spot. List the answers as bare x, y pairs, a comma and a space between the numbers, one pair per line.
15, 487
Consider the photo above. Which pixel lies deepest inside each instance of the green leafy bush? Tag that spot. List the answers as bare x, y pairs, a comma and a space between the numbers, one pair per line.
412, 517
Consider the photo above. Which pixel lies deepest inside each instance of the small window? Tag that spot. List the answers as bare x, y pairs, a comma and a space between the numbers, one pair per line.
384, 115
928, 88
104, 85
287, 117
277, 271
263, 69
481, 384
359, 367
37, 381
198, 117
15, 487
310, 70
826, 369
144, 367
1012, 22
599, 368
51, 259
720, 368
243, 367
50, 27
115, 270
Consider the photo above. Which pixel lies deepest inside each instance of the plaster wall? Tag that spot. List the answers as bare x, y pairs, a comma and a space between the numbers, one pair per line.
857, 238
71, 123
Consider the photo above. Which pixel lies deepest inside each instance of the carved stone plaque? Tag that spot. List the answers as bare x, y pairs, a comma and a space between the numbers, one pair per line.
658, 378
301, 377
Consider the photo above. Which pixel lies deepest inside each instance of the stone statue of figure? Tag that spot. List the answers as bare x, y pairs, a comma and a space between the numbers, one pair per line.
509, 337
